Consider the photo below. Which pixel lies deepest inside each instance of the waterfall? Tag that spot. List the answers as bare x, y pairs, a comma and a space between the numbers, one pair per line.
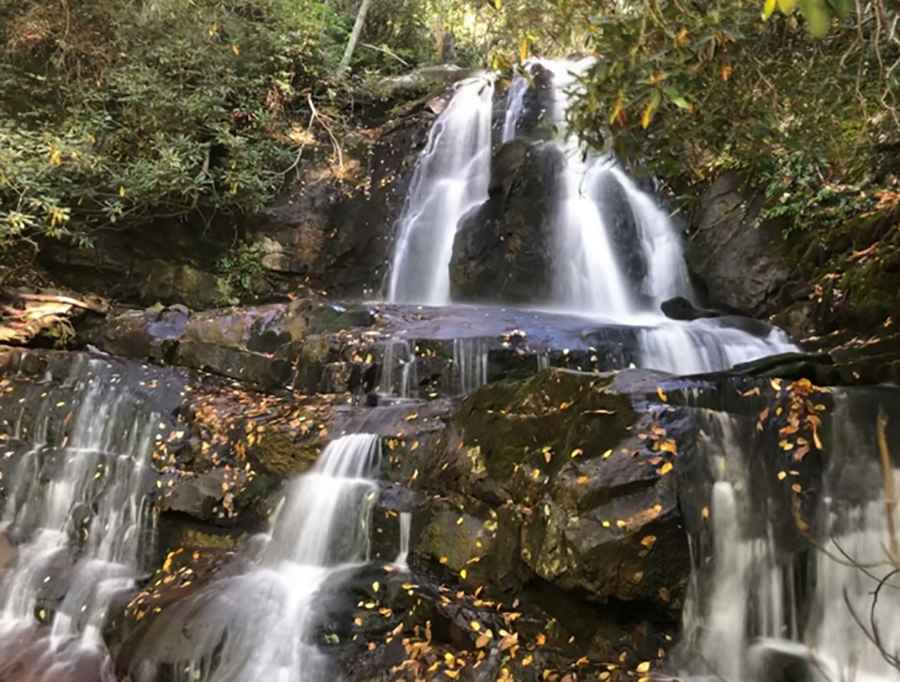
398, 369
451, 176
750, 605
704, 346
76, 506
515, 102
470, 357
321, 533
403, 553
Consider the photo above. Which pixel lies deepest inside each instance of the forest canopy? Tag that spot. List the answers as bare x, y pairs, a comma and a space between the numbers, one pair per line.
122, 112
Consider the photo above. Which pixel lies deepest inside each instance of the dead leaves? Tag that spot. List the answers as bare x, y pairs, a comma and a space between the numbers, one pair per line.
797, 413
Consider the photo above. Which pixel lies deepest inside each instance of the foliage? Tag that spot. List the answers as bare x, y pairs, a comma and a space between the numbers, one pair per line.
113, 115
688, 91
240, 272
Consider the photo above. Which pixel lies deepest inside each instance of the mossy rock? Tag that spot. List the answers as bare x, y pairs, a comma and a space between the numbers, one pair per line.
538, 423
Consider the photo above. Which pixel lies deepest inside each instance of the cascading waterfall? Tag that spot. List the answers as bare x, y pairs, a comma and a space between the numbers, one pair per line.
602, 221
451, 176
470, 358
749, 622
321, 532
77, 497
705, 345
398, 369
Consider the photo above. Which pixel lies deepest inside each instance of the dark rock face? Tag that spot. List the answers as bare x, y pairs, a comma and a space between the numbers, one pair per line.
337, 234
621, 227
503, 249
732, 254
536, 121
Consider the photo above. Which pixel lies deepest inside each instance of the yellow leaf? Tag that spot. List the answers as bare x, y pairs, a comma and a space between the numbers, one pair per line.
726, 71
643, 667
463, 573
649, 541
236, 49
659, 391
577, 452
618, 109
669, 445
523, 49
768, 8
55, 157
664, 469
475, 625
607, 454
781, 475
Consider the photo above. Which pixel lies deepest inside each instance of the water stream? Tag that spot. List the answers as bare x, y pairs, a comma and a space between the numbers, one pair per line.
602, 222
451, 177
758, 612
77, 508
261, 625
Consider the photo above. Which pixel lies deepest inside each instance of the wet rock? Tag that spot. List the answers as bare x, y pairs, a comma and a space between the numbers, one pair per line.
621, 227
503, 249
679, 308
537, 119
7, 551
153, 333
733, 253
477, 544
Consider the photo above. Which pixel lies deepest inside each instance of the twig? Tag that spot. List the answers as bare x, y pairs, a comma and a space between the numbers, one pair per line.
890, 499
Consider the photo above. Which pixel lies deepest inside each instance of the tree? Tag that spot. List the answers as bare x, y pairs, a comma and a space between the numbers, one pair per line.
354, 36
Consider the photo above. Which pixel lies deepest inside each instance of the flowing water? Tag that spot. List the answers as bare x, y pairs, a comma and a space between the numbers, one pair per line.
261, 625
764, 613
76, 505
451, 177
603, 225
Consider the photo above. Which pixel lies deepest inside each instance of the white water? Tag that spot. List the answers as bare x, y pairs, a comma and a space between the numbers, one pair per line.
77, 494
403, 554
451, 177
398, 369
268, 616
515, 103
744, 625
470, 358
704, 346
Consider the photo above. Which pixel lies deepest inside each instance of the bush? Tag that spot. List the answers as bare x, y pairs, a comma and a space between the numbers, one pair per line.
114, 114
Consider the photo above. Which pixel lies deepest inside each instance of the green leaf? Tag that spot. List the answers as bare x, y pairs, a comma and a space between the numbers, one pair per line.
677, 99
818, 17
787, 6
768, 8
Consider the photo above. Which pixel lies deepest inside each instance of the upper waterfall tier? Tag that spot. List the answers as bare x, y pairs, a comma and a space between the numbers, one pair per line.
450, 178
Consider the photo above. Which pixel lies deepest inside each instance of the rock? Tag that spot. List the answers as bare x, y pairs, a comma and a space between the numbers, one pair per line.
733, 254
679, 308
503, 250
537, 118
619, 221
8, 552
335, 233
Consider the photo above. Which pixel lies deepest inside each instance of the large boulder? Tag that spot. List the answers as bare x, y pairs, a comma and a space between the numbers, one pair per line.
733, 253
504, 248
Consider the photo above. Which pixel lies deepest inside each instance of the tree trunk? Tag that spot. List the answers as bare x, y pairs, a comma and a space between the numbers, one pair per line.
354, 36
